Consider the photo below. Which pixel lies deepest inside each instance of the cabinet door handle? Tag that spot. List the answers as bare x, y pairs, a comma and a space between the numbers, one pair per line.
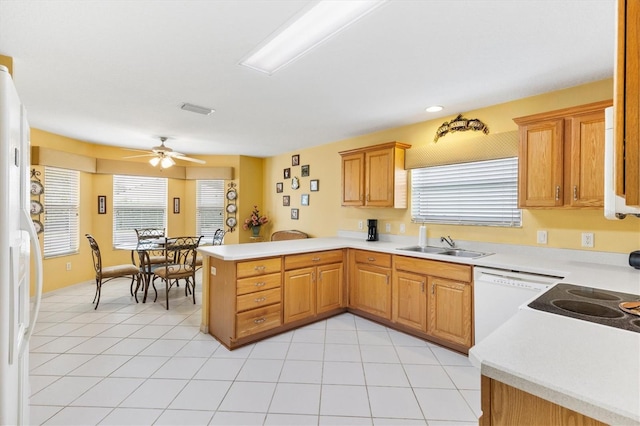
557, 192
371, 259
575, 192
422, 286
260, 299
260, 268
259, 320
433, 288
316, 259
260, 284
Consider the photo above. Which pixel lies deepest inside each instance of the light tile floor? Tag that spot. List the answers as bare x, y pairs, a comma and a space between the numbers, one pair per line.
139, 364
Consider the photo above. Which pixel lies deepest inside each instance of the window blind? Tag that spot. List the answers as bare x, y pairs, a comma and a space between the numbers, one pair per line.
138, 202
209, 207
61, 206
475, 193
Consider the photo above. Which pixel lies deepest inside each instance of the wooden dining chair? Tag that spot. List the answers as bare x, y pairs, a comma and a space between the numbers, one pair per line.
108, 273
180, 259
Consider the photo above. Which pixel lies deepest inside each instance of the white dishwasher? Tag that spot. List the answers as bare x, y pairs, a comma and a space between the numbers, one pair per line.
498, 293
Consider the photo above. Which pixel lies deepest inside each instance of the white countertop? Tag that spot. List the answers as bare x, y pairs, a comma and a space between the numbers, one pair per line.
586, 367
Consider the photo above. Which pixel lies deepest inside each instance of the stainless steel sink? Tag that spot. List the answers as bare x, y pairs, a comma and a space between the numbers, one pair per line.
425, 249
445, 251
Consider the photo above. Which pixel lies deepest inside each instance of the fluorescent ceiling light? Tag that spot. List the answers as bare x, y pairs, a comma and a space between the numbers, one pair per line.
326, 18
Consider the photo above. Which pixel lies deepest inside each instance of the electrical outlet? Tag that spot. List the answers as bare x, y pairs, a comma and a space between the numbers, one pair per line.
360, 225
68, 266
402, 228
387, 227
542, 237
587, 239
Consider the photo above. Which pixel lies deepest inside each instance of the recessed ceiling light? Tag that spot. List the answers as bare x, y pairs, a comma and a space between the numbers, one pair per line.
318, 24
197, 109
434, 108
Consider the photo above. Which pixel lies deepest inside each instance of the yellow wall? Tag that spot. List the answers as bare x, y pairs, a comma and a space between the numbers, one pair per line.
324, 216
256, 180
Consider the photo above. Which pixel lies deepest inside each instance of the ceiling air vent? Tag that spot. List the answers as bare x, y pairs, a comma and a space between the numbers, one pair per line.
197, 109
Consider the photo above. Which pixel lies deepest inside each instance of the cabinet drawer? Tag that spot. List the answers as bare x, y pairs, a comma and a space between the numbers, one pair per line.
434, 268
373, 258
253, 284
257, 320
258, 299
257, 267
312, 259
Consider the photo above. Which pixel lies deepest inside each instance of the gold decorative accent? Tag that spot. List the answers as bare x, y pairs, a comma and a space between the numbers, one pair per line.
460, 124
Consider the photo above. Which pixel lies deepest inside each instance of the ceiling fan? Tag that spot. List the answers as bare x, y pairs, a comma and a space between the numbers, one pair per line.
165, 156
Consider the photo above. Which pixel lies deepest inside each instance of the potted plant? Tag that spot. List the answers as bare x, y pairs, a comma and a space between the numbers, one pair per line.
255, 221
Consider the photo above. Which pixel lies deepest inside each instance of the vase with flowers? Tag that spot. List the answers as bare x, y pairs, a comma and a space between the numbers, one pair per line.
255, 221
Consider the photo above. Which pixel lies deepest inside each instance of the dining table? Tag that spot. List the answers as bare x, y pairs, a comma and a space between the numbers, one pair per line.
143, 248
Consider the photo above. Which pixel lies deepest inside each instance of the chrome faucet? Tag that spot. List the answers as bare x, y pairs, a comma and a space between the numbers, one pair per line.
448, 240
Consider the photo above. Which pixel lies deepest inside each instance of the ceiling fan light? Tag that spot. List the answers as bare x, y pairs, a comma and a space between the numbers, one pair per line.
166, 162
154, 161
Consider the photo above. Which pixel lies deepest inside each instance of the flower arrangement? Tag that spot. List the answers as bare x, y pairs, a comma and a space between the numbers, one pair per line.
255, 220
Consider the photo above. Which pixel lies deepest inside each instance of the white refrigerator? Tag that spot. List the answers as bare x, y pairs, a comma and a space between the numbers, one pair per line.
18, 243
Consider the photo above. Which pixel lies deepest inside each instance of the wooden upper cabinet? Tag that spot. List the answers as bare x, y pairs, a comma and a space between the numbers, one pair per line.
540, 164
561, 158
587, 159
375, 176
627, 102
353, 179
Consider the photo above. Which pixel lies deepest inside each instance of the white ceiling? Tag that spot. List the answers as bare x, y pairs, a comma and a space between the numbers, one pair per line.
116, 72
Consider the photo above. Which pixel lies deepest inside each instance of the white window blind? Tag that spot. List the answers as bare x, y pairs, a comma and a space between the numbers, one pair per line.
209, 207
476, 193
61, 206
138, 202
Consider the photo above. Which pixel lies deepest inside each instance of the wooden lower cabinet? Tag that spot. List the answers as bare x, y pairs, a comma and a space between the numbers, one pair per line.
504, 405
434, 298
313, 284
410, 300
370, 282
450, 313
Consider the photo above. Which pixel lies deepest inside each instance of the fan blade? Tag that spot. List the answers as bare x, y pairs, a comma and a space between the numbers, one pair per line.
142, 155
136, 150
185, 158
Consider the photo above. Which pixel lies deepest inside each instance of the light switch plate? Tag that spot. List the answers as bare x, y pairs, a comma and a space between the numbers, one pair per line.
542, 237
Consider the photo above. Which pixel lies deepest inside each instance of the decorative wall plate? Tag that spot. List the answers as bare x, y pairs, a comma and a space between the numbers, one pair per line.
231, 222
38, 225
232, 194
36, 207
231, 208
36, 188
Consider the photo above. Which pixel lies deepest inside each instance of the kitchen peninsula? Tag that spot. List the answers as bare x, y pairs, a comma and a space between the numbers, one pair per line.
585, 367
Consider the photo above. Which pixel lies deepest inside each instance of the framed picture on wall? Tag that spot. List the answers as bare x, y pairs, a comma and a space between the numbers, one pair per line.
304, 170
294, 214
279, 187
304, 199
295, 160
176, 205
314, 185
102, 204
286, 200
287, 173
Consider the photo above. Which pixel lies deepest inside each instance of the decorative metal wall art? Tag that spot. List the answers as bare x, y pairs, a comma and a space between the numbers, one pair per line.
461, 124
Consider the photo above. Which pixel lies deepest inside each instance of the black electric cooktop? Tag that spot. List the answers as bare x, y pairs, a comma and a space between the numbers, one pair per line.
589, 304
